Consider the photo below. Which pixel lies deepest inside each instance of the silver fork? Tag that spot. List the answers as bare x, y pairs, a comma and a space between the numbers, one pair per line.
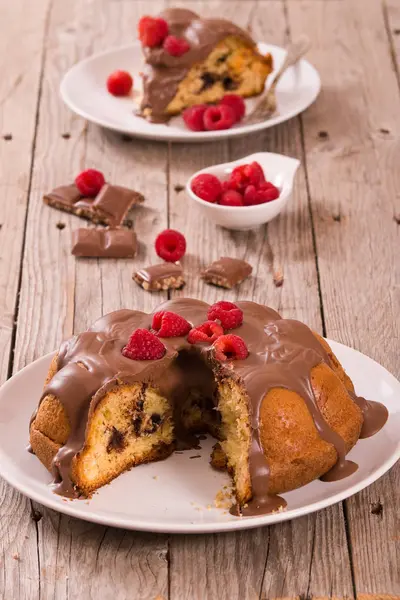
267, 103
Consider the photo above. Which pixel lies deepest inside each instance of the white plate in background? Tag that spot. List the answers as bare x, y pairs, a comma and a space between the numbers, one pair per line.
84, 90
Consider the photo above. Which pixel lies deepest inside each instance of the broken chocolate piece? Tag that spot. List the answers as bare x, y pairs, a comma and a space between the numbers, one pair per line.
110, 206
104, 243
227, 272
165, 276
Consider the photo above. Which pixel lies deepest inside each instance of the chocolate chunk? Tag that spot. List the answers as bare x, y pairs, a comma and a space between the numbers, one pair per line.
110, 206
165, 276
208, 80
227, 272
139, 404
117, 441
229, 83
156, 418
104, 243
137, 423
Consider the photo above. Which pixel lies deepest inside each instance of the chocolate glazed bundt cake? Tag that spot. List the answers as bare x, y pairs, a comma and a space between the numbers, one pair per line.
221, 58
135, 386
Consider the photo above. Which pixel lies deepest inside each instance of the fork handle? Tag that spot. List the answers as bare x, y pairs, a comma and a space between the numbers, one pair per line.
294, 52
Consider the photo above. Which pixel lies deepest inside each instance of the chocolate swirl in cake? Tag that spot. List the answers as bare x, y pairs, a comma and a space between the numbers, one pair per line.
282, 353
163, 72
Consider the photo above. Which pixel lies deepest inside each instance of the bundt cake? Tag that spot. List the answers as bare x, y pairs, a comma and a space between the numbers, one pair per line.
135, 386
220, 58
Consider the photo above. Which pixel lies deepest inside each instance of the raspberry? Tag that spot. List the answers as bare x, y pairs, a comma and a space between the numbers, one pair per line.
152, 32
244, 175
207, 187
208, 331
236, 103
176, 46
144, 345
170, 245
229, 315
265, 193
169, 324
231, 198
230, 347
250, 196
219, 117
90, 182
119, 83
193, 117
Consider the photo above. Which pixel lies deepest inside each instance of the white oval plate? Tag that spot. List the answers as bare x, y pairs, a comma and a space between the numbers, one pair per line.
83, 89
172, 496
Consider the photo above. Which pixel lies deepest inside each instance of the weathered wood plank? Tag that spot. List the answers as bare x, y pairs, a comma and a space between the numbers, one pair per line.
354, 183
21, 58
77, 292
290, 559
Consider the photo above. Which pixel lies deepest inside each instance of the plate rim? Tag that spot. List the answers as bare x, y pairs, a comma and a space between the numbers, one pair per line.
190, 137
72, 509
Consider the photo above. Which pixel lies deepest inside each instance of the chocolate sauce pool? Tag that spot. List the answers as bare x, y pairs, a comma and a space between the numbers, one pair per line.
163, 73
282, 353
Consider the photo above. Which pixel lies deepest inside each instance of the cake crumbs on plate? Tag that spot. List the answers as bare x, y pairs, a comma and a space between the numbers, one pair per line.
224, 498
155, 477
16, 556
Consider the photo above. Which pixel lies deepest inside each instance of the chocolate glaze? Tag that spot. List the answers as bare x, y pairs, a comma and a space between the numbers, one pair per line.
163, 72
282, 353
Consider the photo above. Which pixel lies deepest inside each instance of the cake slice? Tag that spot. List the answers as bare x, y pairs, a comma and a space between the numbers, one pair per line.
220, 58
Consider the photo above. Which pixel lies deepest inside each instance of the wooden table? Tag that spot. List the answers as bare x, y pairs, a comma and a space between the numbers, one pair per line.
337, 245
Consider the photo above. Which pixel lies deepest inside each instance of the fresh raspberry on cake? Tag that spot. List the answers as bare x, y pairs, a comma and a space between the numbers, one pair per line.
227, 313
119, 83
170, 245
231, 198
208, 331
207, 187
236, 103
144, 345
176, 46
169, 324
230, 347
152, 32
219, 117
90, 182
194, 117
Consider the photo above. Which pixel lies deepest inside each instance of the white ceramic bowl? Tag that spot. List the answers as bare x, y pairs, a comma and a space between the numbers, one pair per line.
278, 169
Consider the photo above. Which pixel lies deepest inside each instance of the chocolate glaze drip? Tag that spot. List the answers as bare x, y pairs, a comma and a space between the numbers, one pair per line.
163, 72
282, 353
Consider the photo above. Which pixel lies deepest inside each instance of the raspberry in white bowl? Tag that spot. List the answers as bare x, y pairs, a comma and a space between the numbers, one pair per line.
245, 193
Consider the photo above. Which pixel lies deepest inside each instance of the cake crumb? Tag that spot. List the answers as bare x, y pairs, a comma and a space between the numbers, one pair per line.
16, 556
209, 506
155, 477
224, 498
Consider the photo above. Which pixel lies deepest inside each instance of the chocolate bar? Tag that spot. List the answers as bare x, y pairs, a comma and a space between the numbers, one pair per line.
109, 207
104, 243
165, 276
227, 272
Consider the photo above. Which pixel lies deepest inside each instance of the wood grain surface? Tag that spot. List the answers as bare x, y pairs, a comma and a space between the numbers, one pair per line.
337, 246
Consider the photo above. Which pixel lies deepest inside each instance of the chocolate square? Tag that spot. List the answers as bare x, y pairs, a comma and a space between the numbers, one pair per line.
109, 207
227, 272
165, 276
104, 243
